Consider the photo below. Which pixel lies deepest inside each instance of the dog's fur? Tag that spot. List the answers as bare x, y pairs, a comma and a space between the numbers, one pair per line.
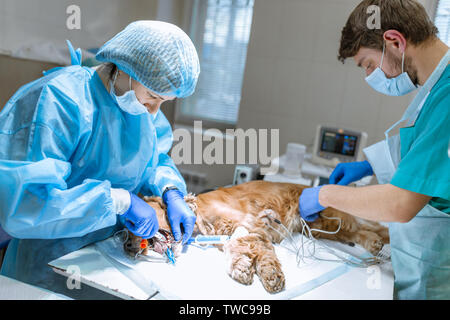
254, 205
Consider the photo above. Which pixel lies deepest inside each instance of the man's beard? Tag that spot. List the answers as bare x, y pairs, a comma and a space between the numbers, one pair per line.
411, 70
408, 67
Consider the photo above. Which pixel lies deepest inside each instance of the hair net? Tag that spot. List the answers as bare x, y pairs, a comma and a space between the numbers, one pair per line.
157, 54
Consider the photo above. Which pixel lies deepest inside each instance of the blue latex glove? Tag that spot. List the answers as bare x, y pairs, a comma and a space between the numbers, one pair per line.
179, 213
308, 204
346, 173
140, 218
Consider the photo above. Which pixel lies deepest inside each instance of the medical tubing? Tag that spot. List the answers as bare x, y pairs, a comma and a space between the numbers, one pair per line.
284, 236
289, 234
363, 262
287, 231
119, 233
311, 252
329, 218
310, 237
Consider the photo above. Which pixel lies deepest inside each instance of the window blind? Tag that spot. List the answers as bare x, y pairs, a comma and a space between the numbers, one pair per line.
221, 36
442, 20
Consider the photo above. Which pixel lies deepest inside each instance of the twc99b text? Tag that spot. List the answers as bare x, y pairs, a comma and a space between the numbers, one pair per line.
246, 309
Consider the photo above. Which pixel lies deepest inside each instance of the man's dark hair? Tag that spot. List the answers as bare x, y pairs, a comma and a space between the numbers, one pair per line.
406, 16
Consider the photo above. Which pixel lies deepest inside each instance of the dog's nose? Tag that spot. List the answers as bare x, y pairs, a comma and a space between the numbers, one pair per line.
130, 248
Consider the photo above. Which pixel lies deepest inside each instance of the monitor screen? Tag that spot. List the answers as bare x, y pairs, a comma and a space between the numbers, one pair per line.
342, 144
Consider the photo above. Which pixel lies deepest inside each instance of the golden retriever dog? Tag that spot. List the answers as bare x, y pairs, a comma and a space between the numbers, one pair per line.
251, 213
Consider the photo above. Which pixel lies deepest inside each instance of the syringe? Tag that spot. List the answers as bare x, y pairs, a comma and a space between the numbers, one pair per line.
208, 239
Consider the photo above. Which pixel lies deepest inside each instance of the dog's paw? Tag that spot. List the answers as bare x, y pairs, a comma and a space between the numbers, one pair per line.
371, 241
241, 269
271, 276
349, 224
374, 246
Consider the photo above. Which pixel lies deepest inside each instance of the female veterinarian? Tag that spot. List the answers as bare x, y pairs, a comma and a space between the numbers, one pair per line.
412, 168
78, 144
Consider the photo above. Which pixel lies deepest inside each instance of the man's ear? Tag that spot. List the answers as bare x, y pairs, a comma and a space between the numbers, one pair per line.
395, 40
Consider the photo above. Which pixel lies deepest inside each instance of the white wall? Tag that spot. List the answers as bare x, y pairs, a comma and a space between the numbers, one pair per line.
293, 80
430, 6
25, 21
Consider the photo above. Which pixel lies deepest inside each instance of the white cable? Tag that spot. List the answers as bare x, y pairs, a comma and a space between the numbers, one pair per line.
284, 236
310, 251
118, 234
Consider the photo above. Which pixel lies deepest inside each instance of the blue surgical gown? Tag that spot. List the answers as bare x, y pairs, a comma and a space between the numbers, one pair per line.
64, 143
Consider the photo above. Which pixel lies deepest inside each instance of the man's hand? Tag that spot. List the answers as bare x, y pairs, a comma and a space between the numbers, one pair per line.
346, 173
308, 204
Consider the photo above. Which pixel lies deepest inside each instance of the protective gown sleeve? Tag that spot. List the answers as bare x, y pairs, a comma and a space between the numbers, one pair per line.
165, 173
35, 200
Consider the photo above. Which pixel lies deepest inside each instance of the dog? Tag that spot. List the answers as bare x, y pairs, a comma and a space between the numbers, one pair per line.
252, 213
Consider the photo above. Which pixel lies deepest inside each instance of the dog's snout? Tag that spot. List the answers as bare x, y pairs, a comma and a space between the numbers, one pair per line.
131, 248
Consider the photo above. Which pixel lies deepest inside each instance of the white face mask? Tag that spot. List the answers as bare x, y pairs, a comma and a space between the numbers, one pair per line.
128, 101
397, 86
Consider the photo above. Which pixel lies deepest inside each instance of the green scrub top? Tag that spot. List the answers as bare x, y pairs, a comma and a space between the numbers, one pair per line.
425, 164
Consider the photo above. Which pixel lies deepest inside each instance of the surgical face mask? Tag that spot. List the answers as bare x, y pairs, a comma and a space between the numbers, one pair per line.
128, 101
397, 86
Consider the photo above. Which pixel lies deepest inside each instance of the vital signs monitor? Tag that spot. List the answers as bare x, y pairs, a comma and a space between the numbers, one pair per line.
333, 145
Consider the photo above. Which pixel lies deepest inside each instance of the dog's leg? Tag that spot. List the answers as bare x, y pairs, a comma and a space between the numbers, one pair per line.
370, 235
377, 228
251, 253
268, 267
347, 222
369, 240
240, 255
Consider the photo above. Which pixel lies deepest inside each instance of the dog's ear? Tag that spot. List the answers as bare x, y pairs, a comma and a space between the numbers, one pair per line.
155, 200
201, 225
191, 201
160, 208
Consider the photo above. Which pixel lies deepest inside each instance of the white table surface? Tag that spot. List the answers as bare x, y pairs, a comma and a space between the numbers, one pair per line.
99, 271
356, 285
11, 289
96, 271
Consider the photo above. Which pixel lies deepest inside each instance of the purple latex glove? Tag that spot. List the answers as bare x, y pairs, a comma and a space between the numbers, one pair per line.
308, 204
346, 173
140, 218
179, 213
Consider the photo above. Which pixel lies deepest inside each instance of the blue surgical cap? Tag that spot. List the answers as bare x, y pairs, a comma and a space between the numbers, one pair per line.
157, 54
